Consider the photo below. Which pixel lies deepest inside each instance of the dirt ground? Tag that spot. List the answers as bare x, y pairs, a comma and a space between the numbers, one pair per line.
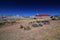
13, 32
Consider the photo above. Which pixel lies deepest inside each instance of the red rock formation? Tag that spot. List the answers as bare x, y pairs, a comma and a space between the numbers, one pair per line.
42, 15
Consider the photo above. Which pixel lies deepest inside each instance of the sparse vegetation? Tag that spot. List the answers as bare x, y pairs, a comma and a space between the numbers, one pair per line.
55, 17
13, 22
46, 22
47, 32
1, 24
21, 26
25, 27
39, 23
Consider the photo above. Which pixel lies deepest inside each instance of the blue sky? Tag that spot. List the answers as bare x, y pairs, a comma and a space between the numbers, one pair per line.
29, 7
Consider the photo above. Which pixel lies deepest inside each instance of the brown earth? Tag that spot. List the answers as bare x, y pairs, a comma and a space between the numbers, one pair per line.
13, 32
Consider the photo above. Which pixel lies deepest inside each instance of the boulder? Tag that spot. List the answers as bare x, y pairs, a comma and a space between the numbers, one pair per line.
36, 24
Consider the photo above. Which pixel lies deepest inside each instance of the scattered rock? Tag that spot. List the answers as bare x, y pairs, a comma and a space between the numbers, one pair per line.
38, 21
55, 17
25, 27
45, 22
36, 24
40, 25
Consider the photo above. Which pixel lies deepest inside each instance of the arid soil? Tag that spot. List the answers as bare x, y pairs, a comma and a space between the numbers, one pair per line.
46, 32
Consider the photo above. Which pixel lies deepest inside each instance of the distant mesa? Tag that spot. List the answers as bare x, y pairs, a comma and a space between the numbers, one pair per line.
42, 15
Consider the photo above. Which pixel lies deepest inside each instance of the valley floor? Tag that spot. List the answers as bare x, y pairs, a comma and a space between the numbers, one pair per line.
47, 32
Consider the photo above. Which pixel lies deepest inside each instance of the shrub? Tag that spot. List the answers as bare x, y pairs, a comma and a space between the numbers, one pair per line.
40, 25
1, 24
46, 22
21, 26
38, 21
25, 27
